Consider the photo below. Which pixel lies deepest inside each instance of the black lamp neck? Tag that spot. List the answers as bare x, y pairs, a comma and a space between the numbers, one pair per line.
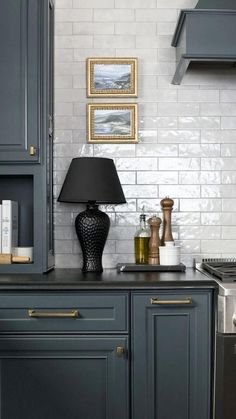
91, 205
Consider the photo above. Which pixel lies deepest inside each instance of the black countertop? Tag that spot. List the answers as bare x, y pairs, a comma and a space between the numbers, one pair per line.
70, 279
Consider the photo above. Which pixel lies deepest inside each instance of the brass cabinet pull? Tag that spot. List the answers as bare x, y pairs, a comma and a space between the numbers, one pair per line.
156, 301
36, 314
120, 351
32, 150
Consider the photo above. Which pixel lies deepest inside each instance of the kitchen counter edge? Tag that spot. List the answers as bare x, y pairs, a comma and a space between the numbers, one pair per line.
110, 279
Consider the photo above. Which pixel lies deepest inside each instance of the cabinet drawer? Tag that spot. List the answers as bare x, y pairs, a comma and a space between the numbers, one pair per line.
67, 312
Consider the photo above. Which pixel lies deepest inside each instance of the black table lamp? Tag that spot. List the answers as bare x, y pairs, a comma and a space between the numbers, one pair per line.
92, 181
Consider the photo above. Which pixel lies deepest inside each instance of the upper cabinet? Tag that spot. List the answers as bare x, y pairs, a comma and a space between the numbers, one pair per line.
20, 75
26, 125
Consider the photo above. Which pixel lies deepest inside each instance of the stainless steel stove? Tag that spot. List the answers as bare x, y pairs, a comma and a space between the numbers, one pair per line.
225, 269
224, 272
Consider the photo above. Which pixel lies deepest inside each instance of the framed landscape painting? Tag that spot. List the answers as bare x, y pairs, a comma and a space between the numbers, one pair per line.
112, 77
112, 123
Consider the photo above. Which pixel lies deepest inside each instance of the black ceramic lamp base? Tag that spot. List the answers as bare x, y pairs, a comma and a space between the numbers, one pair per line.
92, 227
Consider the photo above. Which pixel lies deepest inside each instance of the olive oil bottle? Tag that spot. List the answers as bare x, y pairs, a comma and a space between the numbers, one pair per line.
141, 241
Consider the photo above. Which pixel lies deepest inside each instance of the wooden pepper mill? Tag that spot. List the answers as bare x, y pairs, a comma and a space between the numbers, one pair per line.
154, 241
167, 207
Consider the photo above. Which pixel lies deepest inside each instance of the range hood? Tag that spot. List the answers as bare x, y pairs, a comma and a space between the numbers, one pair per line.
206, 33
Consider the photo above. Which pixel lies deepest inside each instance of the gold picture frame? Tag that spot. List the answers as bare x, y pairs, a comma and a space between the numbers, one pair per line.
112, 77
112, 123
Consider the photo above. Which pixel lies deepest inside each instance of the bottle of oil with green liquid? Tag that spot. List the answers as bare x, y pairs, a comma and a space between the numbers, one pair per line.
141, 241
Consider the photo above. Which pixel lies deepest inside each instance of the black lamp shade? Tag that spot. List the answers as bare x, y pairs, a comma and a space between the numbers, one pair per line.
92, 179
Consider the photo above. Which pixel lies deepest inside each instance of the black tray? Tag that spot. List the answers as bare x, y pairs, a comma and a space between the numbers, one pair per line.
133, 267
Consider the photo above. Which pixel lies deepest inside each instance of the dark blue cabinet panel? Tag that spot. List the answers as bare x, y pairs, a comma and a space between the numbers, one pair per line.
20, 73
64, 378
96, 313
171, 355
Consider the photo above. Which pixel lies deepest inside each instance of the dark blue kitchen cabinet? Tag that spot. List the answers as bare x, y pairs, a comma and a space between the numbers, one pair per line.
171, 355
26, 125
20, 80
72, 377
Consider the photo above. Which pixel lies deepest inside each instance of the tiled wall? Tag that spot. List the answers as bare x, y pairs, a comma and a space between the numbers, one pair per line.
187, 133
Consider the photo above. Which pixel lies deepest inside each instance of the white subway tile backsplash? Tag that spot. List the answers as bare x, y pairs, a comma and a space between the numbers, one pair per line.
114, 150
63, 82
228, 233
63, 55
186, 218
64, 4
87, 4
126, 246
179, 163
74, 41
228, 150
136, 164
114, 15
72, 15
180, 191
228, 96
199, 232
199, 150
63, 136
86, 28
63, 28
203, 205
157, 178
228, 122
200, 177
217, 246
149, 4
229, 177
218, 163
202, 122
179, 136
136, 28
187, 133
218, 109
117, 41
140, 191
178, 109
150, 15
198, 96
157, 150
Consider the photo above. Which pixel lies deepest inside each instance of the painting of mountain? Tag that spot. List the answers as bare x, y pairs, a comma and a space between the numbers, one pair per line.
112, 77
112, 122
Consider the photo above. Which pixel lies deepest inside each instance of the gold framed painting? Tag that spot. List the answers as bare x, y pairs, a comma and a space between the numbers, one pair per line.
112, 77
112, 123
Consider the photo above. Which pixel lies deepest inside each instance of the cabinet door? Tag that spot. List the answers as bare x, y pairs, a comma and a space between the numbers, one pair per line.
171, 355
63, 378
19, 80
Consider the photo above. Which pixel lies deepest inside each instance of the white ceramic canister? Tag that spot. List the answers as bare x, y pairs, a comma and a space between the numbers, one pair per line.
169, 255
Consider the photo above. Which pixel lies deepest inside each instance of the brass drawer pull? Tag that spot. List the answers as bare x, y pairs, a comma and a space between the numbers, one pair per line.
120, 351
71, 314
156, 301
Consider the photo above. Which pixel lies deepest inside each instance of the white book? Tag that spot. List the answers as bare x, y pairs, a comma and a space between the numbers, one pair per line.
9, 225
0, 228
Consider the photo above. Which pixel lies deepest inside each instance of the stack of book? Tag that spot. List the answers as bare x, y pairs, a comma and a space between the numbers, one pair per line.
8, 226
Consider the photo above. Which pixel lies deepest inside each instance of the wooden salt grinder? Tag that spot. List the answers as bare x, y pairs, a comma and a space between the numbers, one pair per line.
167, 207
154, 241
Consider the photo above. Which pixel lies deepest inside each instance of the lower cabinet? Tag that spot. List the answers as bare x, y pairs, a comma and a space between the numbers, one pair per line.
171, 355
70, 377
106, 355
